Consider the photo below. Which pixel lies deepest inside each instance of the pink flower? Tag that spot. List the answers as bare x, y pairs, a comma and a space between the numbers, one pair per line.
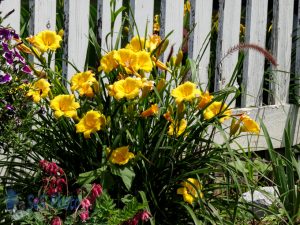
56, 221
85, 203
96, 190
144, 216
84, 215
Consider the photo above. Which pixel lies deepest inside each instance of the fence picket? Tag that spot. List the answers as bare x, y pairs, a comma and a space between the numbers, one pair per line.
253, 71
281, 49
14, 19
43, 15
228, 37
104, 24
76, 35
199, 42
172, 21
143, 16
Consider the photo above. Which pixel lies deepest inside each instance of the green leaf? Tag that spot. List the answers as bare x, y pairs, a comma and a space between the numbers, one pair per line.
88, 177
126, 173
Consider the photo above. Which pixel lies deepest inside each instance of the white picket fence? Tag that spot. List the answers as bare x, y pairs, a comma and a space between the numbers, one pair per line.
275, 115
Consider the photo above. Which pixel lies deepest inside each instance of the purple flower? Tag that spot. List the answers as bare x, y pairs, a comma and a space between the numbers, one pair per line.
9, 57
5, 78
26, 69
8, 34
9, 107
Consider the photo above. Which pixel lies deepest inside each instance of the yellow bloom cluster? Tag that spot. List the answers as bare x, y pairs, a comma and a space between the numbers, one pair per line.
134, 57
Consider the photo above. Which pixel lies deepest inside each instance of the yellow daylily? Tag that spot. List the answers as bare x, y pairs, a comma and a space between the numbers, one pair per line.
120, 155
217, 108
108, 62
191, 190
185, 92
249, 125
85, 83
150, 111
39, 90
92, 121
65, 105
128, 59
204, 99
177, 127
46, 40
128, 88
136, 44
144, 61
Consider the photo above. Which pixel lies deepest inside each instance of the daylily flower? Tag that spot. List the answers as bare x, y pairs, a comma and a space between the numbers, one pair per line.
217, 108
65, 105
128, 59
85, 83
128, 88
39, 90
144, 61
177, 127
244, 124
46, 40
185, 92
248, 124
108, 62
121, 155
154, 41
150, 111
136, 44
93, 121
191, 190
204, 99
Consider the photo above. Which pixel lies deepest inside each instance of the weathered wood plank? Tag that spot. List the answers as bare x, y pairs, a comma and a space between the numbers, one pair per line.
143, 16
76, 35
228, 37
14, 19
43, 15
199, 41
253, 71
172, 21
275, 119
281, 49
108, 38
